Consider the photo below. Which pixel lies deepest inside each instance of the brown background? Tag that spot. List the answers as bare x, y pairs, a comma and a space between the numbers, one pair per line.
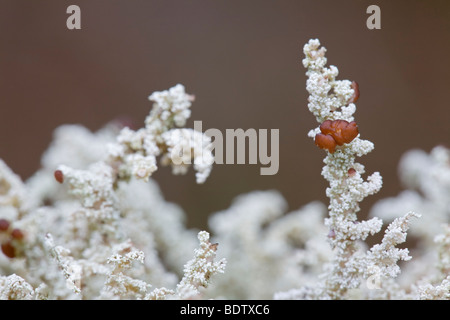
242, 60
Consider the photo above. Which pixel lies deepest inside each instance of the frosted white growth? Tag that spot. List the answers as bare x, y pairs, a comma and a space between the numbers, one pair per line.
155, 222
198, 271
102, 230
383, 257
159, 294
118, 283
14, 287
101, 196
133, 155
438, 292
329, 100
77, 147
135, 152
171, 105
261, 241
12, 191
93, 187
185, 145
141, 166
328, 97
70, 269
443, 242
438, 288
426, 177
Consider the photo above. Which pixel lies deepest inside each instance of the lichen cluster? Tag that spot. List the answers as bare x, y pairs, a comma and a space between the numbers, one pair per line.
92, 223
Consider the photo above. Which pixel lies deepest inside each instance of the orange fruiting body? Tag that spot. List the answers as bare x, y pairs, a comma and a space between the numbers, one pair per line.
17, 234
8, 249
336, 132
4, 224
351, 172
59, 176
325, 141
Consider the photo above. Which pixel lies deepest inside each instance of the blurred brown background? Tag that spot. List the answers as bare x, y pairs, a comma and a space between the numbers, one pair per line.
242, 60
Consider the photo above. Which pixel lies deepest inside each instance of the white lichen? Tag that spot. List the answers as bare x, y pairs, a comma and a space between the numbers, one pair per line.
14, 287
135, 152
92, 224
262, 241
329, 100
198, 271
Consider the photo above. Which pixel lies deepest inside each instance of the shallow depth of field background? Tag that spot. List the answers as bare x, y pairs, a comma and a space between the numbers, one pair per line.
242, 60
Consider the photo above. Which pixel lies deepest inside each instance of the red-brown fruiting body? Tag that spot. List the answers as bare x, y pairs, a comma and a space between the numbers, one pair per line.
325, 141
355, 95
351, 172
4, 224
8, 249
342, 131
17, 234
334, 133
59, 176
